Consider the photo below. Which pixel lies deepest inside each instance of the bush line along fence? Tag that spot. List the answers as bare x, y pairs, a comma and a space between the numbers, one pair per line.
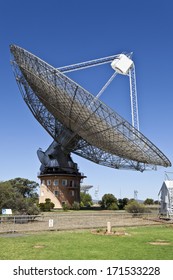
72, 221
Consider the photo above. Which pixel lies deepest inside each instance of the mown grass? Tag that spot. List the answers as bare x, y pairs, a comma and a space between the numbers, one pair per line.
84, 245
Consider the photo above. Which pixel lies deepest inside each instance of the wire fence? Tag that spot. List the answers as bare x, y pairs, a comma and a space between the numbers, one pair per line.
74, 220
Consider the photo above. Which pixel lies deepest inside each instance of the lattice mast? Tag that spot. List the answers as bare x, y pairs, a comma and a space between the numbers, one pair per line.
133, 97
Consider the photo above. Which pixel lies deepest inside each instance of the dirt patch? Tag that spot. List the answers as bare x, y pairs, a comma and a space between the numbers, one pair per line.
160, 242
12, 235
114, 233
38, 246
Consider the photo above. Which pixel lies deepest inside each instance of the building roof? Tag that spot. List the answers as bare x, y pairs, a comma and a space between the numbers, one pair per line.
168, 184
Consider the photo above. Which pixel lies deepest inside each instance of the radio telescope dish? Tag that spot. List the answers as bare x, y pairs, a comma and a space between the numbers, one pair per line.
77, 121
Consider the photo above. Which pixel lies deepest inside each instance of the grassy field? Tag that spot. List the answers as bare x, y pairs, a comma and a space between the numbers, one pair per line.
143, 243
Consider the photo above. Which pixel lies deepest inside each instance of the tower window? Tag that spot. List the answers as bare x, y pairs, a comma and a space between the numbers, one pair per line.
56, 193
64, 182
71, 183
48, 182
55, 182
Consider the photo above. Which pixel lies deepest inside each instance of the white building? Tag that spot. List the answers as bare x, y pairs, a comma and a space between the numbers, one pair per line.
166, 198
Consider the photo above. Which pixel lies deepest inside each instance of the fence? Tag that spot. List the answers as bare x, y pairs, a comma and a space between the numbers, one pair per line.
74, 220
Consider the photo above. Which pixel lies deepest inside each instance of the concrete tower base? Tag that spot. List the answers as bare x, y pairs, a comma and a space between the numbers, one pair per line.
60, 188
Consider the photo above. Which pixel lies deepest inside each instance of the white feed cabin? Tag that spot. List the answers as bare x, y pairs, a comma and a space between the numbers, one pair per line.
166, 198
122, 64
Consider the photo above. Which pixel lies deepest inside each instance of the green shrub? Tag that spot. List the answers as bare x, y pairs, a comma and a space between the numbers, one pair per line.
113, 206
135, 207
86, 199
99, 230
81, 204
76, 206
65, 207
47, 206
33, 210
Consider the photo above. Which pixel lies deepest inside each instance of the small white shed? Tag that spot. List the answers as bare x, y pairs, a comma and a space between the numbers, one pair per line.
166, 198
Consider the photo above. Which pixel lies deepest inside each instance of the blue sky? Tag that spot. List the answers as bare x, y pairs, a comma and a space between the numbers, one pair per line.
67, 32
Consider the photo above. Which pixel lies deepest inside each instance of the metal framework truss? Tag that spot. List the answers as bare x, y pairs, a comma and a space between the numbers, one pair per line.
87, 64
133, 97
132, 80
81, 124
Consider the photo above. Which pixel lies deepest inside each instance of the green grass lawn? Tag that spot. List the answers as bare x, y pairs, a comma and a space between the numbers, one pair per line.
84, 245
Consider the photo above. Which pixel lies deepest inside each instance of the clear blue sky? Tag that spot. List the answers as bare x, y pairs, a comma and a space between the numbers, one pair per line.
72, 31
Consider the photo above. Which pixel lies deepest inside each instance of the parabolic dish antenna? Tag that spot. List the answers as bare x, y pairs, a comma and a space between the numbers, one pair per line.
77, 121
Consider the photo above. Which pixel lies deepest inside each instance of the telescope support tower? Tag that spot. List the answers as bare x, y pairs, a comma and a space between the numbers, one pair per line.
59, 176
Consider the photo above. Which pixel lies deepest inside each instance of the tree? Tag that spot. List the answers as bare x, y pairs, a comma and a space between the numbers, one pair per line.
108, 200
7, 195
11, 197
122, 203
156, 202
149, 201
85, 199
25, 187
